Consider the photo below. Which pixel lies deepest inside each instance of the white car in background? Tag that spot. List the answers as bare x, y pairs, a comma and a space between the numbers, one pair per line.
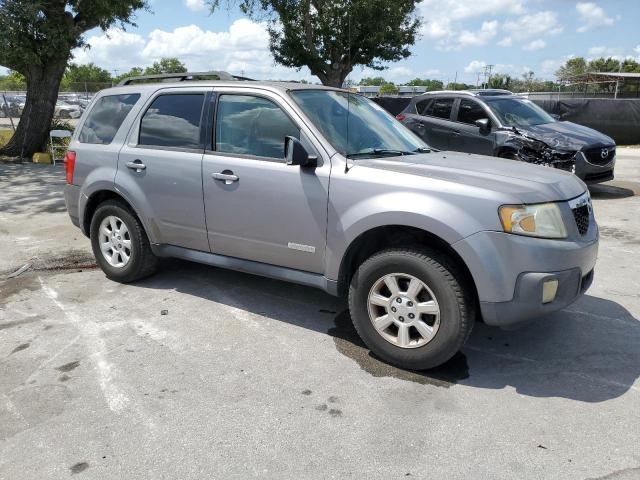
67, 110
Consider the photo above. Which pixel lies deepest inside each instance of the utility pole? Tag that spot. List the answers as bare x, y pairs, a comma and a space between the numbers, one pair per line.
478, 74
487, 74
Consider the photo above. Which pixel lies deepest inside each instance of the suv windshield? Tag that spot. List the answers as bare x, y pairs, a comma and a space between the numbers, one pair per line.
356, 126
518, 112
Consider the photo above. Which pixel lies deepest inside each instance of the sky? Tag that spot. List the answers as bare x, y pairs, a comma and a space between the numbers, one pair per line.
457, 39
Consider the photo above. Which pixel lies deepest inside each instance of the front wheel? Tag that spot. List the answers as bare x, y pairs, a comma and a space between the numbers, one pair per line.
120, 244
411, 307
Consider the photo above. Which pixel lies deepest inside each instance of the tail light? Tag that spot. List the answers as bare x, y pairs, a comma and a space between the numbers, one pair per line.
401, 116
69, 165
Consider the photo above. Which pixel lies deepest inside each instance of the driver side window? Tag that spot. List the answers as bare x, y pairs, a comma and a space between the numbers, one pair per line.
470, 111
249, 125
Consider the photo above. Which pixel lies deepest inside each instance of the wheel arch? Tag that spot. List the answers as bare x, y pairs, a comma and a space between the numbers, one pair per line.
96, 199
382, 237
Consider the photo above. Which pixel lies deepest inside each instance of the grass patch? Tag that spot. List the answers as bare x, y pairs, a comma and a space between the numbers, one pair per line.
5, 135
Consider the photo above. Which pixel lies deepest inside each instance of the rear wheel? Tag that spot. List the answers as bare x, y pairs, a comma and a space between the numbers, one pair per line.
410, 307
120, 244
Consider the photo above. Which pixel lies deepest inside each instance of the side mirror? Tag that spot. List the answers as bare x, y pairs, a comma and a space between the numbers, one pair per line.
296, 154
484, 124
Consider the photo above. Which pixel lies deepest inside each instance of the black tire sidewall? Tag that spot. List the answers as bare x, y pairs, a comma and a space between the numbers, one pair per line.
129, 272
452, 330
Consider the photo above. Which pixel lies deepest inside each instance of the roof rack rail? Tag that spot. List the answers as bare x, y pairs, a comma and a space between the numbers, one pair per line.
183, 77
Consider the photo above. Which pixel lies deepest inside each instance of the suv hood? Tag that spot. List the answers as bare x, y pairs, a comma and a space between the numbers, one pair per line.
567, 136
522, 181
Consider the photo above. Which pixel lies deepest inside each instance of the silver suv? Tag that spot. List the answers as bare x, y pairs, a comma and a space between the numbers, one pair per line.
322, 187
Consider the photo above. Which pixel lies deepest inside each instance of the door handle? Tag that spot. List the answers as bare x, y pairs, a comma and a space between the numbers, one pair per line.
137, 165
227, 177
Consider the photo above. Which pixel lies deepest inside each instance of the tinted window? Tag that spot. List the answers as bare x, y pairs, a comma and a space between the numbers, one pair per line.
173, 121
470, 111
421, 107
440, 108
248, 125
105, 118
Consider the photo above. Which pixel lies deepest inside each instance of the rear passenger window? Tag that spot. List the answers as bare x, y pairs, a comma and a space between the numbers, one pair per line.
173, 120
470, 111
440, 108
248, 125
106, 117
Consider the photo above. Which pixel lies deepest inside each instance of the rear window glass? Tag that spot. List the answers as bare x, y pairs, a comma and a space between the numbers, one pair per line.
173, 121
106, 117
440, 108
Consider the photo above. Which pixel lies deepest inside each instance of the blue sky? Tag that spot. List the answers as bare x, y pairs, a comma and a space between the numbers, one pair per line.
458, 38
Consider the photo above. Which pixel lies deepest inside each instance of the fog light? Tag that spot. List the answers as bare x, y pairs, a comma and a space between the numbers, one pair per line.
549, 290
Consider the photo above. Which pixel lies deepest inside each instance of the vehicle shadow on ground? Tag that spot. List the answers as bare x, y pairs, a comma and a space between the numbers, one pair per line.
614, 190
588, 352
32, 189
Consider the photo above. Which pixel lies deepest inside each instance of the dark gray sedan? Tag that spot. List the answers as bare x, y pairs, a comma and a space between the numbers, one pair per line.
498, 123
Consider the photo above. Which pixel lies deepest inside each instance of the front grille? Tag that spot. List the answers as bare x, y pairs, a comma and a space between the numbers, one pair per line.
581, 215
600, 155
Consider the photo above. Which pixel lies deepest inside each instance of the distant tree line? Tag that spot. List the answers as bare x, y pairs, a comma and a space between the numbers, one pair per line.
92, 78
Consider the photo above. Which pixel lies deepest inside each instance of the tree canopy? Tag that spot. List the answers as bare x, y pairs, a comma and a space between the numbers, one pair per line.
37, 38
330, 37
166, 65
88, 77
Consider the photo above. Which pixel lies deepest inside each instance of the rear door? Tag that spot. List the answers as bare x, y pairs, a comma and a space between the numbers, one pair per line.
160, 168
258, 207
470, 138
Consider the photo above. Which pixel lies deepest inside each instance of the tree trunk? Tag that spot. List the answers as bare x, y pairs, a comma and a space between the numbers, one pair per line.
35, 121
333, 78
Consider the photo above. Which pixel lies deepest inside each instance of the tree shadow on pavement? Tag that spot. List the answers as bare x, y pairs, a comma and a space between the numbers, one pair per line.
588, 352
32, 189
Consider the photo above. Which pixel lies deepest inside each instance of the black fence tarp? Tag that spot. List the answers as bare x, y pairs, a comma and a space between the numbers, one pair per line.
618, 118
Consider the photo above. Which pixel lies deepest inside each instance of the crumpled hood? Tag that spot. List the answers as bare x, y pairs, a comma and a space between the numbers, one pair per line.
516, 180
567, 136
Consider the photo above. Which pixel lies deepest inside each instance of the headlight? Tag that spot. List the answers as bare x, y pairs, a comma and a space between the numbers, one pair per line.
543, 220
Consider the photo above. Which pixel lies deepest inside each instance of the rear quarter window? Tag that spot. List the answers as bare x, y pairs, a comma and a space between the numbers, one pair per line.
106, 117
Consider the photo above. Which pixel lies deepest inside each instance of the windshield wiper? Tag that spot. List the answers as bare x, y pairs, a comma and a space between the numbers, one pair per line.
381, 151
423, 150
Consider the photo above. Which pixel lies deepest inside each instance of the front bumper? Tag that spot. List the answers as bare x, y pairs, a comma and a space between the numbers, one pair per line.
593, 173
509, 271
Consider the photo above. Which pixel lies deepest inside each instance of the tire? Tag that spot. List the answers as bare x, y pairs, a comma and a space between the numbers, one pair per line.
445, 291
141, 262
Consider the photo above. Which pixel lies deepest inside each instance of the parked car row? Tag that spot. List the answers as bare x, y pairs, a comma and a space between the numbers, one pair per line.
67, 106
324, 188
498, 123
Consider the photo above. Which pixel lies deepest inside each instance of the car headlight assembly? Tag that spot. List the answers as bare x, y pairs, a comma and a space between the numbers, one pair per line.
542, 220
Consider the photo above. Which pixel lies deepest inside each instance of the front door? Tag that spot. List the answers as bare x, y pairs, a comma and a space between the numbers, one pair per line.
258, 207
434, 123
160, 169
471, 139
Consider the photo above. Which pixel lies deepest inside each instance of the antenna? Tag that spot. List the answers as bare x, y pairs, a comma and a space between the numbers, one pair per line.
346, 159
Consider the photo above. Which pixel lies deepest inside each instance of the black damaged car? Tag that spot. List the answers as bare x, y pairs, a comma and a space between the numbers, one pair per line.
498, 123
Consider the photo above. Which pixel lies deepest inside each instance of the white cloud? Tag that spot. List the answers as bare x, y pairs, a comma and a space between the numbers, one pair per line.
533, 26
443, 20
195, 5
244, 48
601, 51
535, 45
475, 66
592, 16
505, 42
